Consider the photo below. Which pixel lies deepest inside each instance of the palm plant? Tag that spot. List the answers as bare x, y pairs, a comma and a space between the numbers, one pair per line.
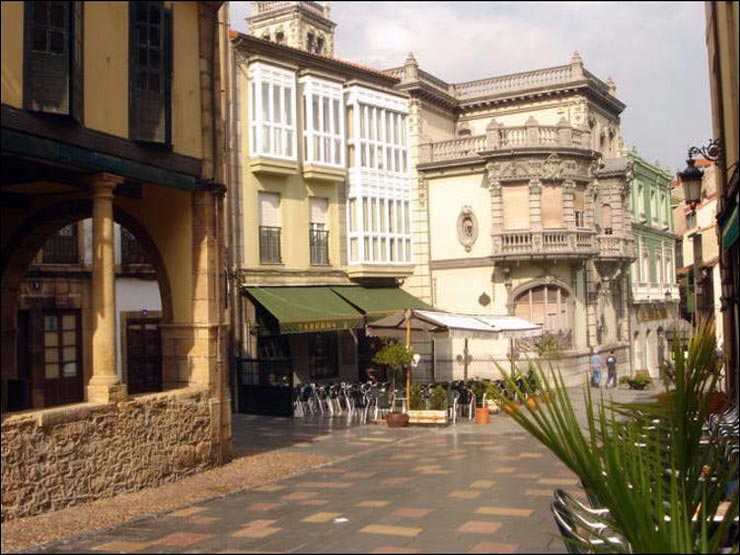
644, 462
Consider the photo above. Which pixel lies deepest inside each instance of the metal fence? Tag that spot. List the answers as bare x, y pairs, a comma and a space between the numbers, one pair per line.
319, 247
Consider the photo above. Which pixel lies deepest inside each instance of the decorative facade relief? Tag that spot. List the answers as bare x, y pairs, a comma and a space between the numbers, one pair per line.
467, 228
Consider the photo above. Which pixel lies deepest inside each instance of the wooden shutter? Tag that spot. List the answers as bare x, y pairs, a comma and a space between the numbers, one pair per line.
516, 206
552, 206
47, 57
76, 48
150, 72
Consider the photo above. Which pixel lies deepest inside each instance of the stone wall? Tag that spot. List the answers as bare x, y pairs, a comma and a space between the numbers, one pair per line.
65, 456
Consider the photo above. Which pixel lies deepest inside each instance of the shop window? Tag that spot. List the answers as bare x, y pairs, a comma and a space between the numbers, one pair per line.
322, 354
53, 58
150, 72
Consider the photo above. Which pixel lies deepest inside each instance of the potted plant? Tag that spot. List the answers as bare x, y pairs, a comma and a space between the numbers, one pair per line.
432, 412
397, 357
639, 381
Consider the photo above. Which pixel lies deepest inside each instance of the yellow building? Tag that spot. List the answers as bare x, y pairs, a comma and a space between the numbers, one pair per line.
723, 48
112, 111
520, 196
321, 204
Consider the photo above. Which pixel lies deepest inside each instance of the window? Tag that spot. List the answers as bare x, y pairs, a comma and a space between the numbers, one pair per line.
53, 58
62, 247
579, 204
131, 250
378, 203
690, 220
150, 72
653, 208
552, 206
318, 232
310, 42
515, 200
61, 345
323, 126
547, 305
272, 126
269, 228
320, 45
279, 37
382, 139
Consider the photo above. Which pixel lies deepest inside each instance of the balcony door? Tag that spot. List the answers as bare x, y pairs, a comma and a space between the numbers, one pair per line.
143, 355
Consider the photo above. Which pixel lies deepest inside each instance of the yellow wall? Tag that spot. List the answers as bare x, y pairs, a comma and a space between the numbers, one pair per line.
106, 75
12, 53
447, 197
106, 67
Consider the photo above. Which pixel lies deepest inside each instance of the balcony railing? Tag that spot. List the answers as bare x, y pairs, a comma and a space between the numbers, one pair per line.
498, 137
319, 247
511, 244
518, 81
270, 245
654, 292
615, 247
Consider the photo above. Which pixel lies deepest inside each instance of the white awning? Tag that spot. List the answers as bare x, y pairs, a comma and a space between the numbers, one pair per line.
454, 324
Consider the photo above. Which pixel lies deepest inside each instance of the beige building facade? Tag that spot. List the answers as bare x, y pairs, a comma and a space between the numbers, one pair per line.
321, 214
520, 210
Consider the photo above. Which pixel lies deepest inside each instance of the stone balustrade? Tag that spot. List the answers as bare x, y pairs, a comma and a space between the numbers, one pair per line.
525, 243
264, 7
611, 246
498, 137
518, 81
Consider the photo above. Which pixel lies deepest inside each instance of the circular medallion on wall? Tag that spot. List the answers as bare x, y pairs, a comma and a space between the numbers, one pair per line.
467, 227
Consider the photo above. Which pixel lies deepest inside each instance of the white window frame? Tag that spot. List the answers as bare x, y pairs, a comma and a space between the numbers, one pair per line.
276, 124
322, 89
373, 239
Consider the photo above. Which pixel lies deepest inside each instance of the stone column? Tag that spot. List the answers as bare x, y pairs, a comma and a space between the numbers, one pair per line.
104, 386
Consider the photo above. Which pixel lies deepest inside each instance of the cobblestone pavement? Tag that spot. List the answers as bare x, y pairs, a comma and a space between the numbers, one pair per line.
467, 488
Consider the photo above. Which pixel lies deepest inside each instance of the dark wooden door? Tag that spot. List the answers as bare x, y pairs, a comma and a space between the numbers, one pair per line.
62, 370
143, 355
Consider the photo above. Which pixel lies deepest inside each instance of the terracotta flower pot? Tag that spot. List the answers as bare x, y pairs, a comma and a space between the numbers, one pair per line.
481, 415
397, 419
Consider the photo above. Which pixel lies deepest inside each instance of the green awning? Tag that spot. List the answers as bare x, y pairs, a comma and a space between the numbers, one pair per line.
306, 309
730, 231
377, 302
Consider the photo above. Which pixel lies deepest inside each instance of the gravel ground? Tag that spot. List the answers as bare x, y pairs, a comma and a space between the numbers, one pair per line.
243, 473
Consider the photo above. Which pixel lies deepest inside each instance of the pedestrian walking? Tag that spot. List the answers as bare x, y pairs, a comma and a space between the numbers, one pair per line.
595, 370
611, 370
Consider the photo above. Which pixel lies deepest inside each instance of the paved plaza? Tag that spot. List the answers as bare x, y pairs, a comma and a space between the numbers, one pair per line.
468, 488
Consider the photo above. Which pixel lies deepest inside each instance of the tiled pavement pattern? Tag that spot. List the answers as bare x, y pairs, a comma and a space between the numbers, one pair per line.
463, 489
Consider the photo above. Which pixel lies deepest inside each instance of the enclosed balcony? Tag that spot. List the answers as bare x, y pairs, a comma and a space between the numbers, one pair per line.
612, 247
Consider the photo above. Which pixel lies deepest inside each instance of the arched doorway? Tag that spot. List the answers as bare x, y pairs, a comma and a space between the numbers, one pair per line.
637, 352
47, 320
550, 306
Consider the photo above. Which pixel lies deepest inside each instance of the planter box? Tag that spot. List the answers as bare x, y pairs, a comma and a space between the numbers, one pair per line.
438, 417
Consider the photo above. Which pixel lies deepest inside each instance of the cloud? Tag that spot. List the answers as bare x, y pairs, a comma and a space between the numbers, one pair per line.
655, 52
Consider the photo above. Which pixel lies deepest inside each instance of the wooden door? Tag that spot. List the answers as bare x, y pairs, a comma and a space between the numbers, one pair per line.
62, 367
143, 355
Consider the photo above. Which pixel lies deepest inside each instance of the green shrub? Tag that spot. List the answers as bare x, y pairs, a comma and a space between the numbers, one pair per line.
417, 398
438, 398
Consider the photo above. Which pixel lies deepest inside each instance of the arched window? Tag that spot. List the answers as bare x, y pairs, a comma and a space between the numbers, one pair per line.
547, 305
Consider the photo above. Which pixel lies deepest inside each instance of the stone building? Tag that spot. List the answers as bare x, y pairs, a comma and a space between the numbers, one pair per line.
112, 111
516, 196
654, 290
302, 25
320, 210
697, 268
723, 51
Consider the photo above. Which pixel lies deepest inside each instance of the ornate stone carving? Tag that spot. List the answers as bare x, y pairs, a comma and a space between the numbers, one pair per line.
534, 186
553, 167
467, 228
421, 185
484, 299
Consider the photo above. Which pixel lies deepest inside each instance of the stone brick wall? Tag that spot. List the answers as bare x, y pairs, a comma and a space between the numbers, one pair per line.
65, 456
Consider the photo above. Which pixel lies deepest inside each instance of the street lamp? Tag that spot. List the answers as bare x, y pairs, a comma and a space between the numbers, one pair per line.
692, 176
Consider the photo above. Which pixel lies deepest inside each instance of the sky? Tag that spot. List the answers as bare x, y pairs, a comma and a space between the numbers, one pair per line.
654, 51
